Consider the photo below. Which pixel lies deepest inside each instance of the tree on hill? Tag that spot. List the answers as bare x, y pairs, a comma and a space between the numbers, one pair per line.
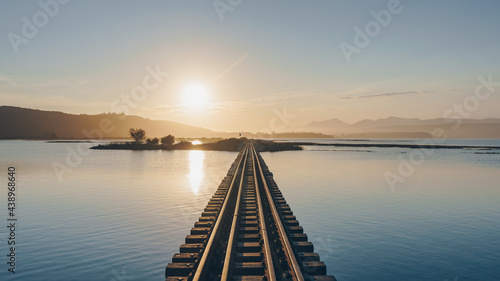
137, 134
168, 140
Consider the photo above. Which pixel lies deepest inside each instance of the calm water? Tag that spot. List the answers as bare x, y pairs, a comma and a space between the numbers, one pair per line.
121, 215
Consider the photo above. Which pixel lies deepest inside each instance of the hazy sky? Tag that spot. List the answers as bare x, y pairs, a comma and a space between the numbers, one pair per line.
255, 59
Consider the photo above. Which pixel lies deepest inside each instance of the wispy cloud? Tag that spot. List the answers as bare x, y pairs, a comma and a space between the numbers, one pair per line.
7, 79
383, 95
284, 96
303, 99
243, 105
212, 108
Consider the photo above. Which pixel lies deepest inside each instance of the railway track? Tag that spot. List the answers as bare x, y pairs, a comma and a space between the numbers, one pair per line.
247, 232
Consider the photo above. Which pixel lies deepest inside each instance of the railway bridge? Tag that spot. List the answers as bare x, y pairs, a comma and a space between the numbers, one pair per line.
247, 232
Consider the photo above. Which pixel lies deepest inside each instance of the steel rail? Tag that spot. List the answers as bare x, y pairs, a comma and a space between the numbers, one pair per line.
232, 236
265, 238
292, 260
207, 253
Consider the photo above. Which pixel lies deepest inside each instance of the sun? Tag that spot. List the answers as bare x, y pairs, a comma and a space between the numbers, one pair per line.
195, 95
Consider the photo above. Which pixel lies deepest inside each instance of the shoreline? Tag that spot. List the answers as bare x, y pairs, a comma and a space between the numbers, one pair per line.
397, 145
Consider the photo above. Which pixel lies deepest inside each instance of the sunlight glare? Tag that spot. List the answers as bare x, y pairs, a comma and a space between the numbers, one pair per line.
196, 174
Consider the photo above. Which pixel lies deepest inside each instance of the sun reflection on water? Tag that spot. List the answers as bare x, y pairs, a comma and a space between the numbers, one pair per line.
196, 174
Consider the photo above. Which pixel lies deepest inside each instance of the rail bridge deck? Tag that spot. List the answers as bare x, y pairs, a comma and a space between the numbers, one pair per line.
247, 232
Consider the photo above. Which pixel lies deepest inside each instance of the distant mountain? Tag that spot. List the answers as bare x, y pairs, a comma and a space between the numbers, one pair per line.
328, 124
24, 123
329, 127
389, 121
396, 127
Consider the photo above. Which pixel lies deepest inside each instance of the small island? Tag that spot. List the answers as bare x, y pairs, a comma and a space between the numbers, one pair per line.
140, 142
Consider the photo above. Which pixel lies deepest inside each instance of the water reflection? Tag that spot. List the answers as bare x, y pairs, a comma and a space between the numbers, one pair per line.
195, 175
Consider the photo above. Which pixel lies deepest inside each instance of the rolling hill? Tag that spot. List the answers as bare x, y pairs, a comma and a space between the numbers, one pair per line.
395, 127
24, 123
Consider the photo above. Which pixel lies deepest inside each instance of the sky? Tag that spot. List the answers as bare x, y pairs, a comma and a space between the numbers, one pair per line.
255, 65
